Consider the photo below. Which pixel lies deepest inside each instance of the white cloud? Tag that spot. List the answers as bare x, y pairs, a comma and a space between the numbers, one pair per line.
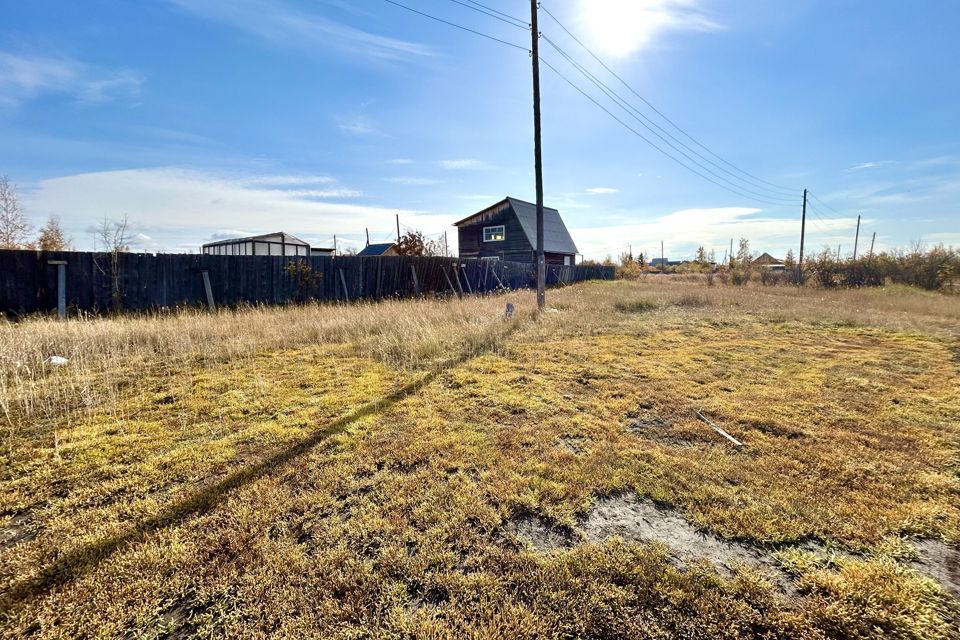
464, 164
601, 191
400, 161
412, 181
180, 208
620, 28
871, 165
285, 181
26, 77
358, 126
281, 25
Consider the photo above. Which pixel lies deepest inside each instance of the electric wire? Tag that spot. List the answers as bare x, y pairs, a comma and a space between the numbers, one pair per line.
781, 188
643, 120
481, 9
454, 24
647, 140
505, 15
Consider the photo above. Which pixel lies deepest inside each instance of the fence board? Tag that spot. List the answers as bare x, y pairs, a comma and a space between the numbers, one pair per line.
147, 281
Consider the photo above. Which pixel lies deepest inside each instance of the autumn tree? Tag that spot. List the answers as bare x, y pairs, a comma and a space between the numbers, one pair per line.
14, 226
743, 253
414, 243
52, 236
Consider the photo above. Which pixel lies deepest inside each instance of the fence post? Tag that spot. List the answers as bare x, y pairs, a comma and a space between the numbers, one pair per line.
343, 281
466, 278
61, 286
450, 282
416, 283
208, 289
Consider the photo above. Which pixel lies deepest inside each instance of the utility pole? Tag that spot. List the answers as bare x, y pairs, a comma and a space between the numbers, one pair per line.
856, 240
871, 244
838, 253
803, 232
446, 252
367, 229
334, 244
398, 227
538, 155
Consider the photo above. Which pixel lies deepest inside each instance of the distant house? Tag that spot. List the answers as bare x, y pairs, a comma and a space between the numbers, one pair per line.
270, 244
767, 261
508, 231
666, 262
385, 249
321, 252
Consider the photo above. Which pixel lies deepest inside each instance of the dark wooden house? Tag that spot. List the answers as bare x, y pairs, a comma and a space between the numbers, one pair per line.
508, 231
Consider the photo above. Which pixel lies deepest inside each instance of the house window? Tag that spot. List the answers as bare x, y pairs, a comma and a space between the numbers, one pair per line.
566, 261
491, 258
494, 234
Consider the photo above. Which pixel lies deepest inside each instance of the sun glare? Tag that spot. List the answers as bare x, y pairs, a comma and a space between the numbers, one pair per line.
620, 28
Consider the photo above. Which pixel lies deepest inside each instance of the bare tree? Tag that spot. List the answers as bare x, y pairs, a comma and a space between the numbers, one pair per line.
112, 236
52, 236
14, 226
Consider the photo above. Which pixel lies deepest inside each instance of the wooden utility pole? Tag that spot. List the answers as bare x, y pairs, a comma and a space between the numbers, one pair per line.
856, 240
367, 229
538, 155
803, 233
398, 227
446, 251
334, 244
871, 244
838, 253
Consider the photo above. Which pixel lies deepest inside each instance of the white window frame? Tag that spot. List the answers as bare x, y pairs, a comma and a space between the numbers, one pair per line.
503, 233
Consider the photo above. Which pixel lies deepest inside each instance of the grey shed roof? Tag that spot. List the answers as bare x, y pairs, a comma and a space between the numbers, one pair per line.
376, 249
556, 238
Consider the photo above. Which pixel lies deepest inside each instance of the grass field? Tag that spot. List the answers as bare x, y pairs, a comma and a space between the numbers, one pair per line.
435, 470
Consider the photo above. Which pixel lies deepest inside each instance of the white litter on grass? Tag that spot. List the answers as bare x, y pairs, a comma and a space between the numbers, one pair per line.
552, 310
57, 361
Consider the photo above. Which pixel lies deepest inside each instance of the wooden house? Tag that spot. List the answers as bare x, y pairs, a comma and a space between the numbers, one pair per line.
767, 261
508, 231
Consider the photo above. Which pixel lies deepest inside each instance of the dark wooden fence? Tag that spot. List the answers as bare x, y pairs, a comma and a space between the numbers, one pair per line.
133, 281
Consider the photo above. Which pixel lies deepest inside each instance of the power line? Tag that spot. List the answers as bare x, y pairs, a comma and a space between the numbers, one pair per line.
458, 26
660, 113
643, 120
825, 205
647, 140
501, 13
489, 12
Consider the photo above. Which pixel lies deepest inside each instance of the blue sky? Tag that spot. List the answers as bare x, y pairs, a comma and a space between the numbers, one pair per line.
203, 119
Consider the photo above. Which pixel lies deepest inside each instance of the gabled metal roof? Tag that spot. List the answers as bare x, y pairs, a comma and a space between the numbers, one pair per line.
266, 237
376, 249
556, 238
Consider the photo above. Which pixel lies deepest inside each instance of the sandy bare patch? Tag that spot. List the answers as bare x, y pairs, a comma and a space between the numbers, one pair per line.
636, 520
540, 534
939, 561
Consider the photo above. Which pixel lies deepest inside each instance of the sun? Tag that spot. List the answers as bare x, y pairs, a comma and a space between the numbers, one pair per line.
621, 28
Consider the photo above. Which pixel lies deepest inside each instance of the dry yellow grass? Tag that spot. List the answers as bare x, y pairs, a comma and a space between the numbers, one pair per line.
356, 471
